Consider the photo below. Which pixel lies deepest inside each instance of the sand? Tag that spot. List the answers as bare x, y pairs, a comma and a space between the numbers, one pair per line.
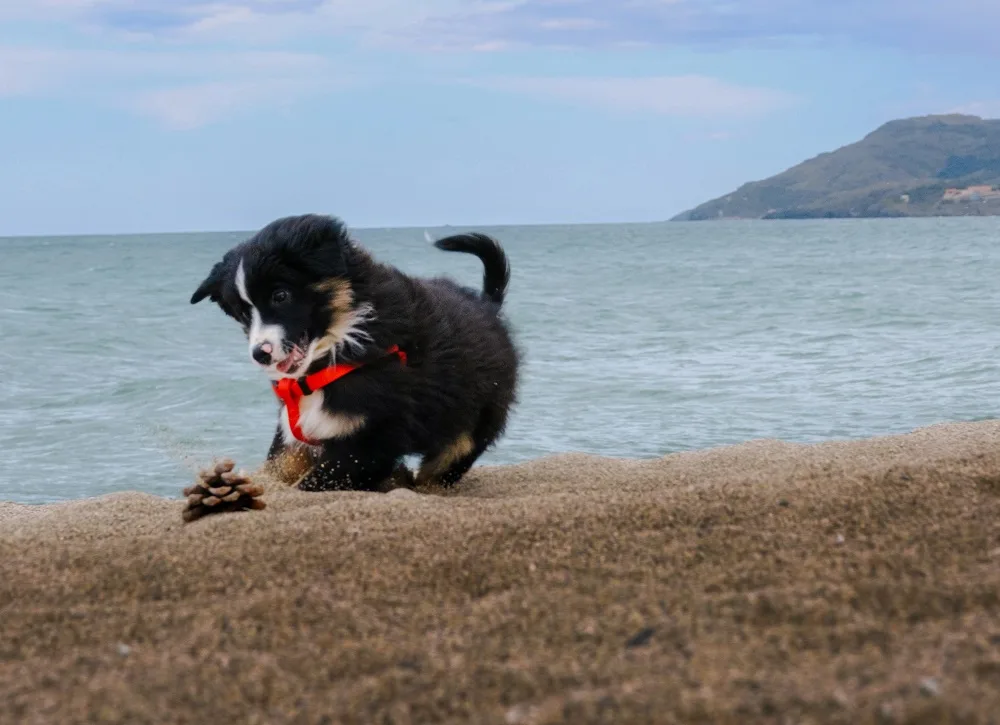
839, 583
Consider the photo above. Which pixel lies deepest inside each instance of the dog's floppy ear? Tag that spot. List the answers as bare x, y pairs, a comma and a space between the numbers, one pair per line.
210, 287
320, 242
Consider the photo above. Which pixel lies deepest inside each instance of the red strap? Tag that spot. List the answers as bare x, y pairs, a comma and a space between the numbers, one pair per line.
291, 391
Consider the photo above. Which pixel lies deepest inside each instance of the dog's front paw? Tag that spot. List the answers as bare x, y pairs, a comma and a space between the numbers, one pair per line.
402, 477
221, 490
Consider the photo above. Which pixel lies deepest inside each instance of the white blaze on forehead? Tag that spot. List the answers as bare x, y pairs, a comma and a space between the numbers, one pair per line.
259, 332
241, 283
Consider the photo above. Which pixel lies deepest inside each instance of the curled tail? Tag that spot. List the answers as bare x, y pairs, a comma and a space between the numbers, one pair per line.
496, 272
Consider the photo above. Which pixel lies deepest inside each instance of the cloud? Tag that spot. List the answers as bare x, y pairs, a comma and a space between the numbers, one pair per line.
26, 70
716, 136
151, 11
185, 90
182, 90
263, 19
187, 107
927, 25
985, 109
572, 24
688, 96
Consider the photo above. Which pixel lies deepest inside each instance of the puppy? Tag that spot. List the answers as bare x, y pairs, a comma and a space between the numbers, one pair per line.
369, 364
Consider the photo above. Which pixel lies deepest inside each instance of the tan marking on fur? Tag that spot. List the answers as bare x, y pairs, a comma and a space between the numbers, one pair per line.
340, 293
341, 305
291, 465
458, 449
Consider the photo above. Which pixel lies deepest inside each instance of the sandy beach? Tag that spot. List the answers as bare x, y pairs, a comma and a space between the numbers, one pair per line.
853, 582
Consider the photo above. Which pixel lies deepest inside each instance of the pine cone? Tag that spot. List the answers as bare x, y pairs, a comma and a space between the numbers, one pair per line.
220, 490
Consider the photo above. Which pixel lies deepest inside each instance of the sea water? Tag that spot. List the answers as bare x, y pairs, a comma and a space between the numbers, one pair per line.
638, 340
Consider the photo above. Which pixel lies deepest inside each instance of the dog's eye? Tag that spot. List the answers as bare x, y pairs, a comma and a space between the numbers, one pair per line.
280, 297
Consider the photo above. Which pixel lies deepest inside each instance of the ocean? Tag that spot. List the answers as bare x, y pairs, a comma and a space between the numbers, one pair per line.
640, 340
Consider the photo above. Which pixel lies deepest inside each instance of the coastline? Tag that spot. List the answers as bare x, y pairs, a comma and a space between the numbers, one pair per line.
834, 582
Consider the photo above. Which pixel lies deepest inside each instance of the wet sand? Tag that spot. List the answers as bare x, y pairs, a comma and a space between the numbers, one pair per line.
840, 583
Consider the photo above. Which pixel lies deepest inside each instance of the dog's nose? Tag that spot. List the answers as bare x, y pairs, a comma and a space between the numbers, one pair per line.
262, 353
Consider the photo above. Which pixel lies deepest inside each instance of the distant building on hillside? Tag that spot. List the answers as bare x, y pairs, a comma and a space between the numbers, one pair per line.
980, 192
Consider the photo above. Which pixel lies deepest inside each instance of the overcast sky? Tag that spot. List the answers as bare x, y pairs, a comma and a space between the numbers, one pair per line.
174, 115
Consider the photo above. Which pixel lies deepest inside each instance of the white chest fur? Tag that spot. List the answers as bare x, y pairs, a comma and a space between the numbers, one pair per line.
317, 423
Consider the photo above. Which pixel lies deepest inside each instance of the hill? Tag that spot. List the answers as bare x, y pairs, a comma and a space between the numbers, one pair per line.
926, 166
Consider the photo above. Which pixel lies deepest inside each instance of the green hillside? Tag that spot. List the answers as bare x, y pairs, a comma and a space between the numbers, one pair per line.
904, 168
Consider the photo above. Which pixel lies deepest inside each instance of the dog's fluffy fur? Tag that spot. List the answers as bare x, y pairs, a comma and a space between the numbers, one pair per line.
307, 296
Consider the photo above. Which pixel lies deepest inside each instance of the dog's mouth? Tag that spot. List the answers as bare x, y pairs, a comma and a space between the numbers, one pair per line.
294, 359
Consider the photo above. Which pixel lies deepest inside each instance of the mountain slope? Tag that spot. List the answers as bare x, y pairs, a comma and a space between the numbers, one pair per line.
903, 168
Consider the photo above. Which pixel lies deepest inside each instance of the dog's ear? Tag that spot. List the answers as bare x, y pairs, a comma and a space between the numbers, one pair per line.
210, 287
321, 242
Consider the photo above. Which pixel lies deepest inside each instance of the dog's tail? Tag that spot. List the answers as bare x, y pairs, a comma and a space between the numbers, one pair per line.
496, 272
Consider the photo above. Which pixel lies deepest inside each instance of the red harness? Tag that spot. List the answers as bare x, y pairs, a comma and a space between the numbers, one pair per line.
292, 390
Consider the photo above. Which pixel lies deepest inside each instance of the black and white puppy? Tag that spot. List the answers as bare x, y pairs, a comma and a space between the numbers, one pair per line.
433, 369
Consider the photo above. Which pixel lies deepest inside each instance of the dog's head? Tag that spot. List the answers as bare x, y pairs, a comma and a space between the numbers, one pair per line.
289, 287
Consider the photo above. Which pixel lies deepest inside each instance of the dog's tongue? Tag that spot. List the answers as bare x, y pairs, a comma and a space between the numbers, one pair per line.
288, 363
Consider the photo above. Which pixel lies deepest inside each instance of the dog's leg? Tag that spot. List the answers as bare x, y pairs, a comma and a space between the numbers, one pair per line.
288, 463
451, 457
359, 463
447, 466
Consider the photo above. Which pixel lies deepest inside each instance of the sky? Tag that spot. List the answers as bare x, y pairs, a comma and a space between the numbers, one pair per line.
132, 116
